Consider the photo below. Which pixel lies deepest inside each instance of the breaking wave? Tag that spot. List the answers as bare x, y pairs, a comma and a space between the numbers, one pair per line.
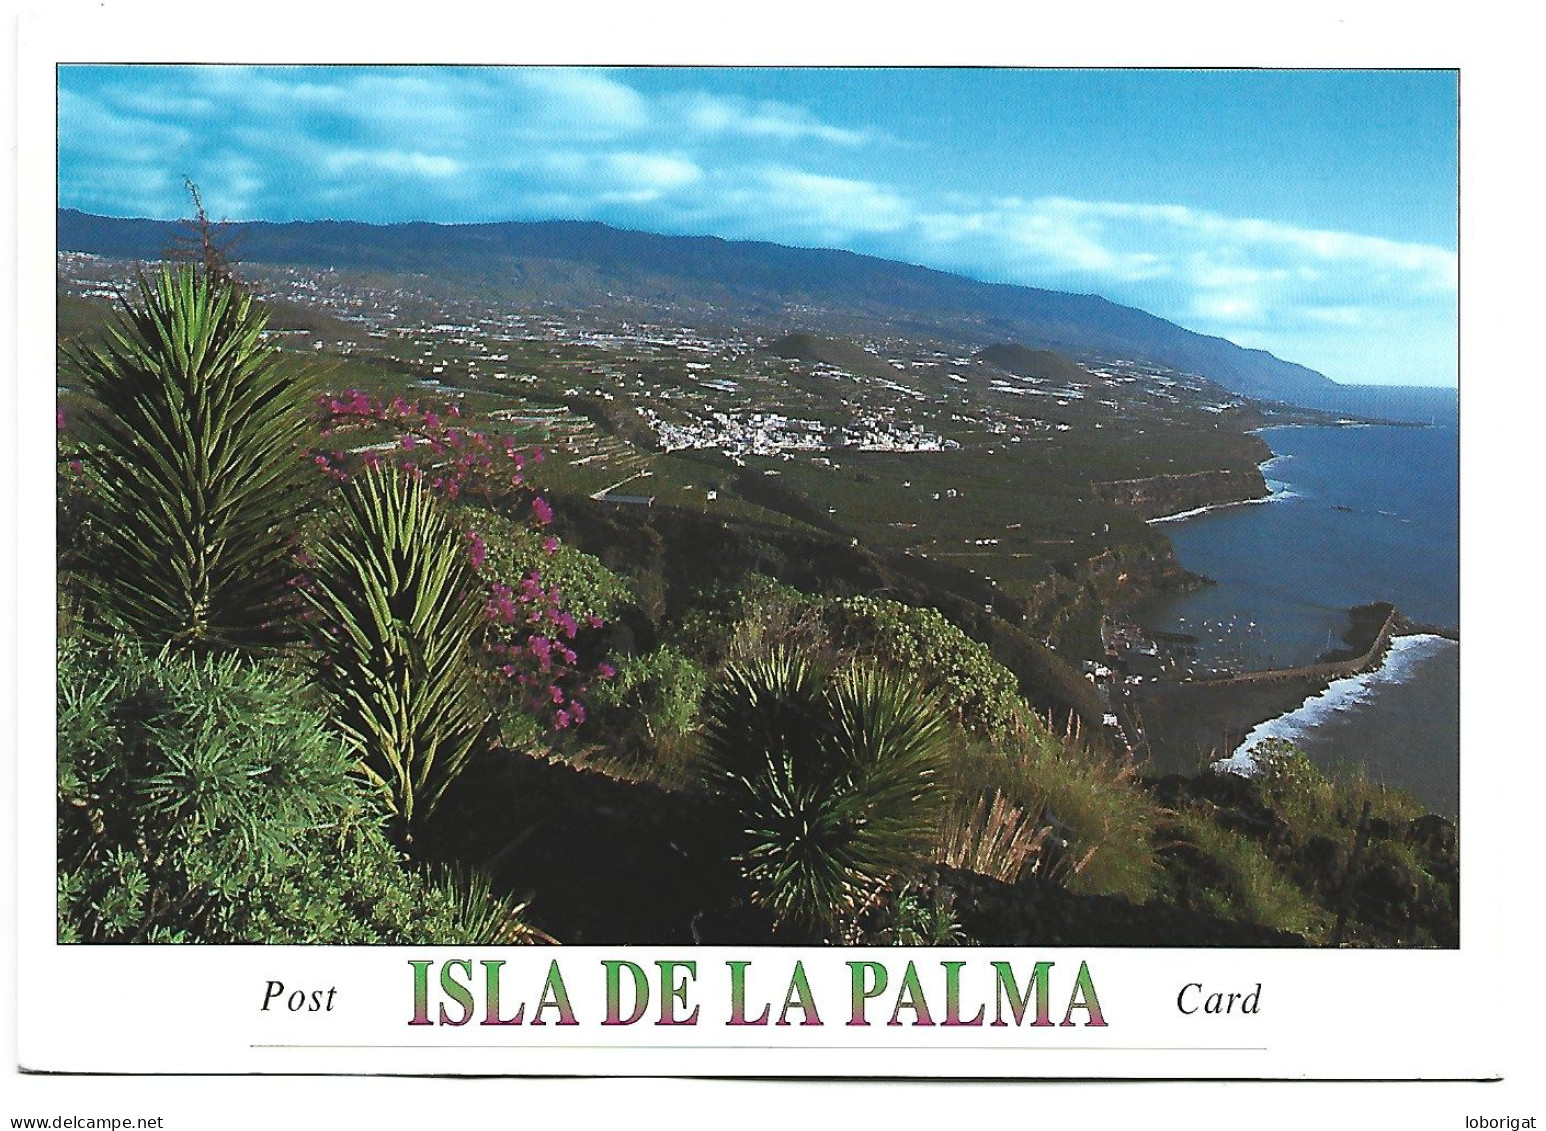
1406, 654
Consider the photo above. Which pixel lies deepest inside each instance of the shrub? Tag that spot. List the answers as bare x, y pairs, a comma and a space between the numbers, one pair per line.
651, 706
751, 619
395, 618
920, 917
515, 550
539, 592
193, 432
432, 442
1315, 802
835, 779
543, 596
981, 692
205, 800
992, 837
471, 914
181, 783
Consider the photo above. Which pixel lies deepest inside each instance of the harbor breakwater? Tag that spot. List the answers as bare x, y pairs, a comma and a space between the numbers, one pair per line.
1364, 657
1191, 723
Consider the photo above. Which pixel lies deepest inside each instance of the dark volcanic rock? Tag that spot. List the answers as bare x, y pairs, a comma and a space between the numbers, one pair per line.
599, 860
604, 861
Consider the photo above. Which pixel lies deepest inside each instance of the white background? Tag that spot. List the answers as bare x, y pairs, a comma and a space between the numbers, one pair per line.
1478, 1012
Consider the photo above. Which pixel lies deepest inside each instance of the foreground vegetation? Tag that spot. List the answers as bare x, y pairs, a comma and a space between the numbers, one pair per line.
332, 670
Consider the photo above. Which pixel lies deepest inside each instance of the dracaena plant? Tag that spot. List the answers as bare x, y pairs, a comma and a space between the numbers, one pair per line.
540, 596
395, 616
193, 429
835, 779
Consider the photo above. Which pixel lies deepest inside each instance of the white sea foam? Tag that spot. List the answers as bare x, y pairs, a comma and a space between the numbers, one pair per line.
1280, 493
1405, 655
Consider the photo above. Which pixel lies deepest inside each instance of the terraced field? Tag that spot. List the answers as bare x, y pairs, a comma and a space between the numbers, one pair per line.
919, 446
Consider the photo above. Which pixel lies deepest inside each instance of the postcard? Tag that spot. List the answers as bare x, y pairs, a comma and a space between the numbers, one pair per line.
770, 571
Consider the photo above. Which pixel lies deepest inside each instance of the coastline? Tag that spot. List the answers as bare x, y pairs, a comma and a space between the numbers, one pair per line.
1378, 702
1193, 725
1274, 492
1338, 694
1278, 490
1271, 497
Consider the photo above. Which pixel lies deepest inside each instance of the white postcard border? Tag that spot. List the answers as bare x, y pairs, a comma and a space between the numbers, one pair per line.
1326, 1015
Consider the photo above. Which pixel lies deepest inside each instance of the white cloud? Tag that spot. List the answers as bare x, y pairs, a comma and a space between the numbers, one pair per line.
1216, 308
1336, 315
785, 204
497, 143
1132, 242
1265, 282
577, 100
832, 203
716, 114
394, 161
641, 178
98, 129
584, 179
1433, 266
653, 170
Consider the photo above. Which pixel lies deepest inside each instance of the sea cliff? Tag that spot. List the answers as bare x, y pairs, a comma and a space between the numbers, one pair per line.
1160, 495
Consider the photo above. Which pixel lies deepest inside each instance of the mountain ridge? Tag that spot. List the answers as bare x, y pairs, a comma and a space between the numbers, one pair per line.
817, 290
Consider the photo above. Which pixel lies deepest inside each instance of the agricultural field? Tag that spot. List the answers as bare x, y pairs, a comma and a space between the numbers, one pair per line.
916, 446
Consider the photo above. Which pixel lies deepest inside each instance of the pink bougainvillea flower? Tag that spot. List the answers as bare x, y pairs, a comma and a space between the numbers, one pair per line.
528, 630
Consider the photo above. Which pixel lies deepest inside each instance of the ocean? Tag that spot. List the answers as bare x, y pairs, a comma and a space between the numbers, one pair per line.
1358, 514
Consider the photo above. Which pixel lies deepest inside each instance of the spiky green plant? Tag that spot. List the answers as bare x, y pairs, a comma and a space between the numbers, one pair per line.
834, 777
921, 917
189, 787
195, 428
395, 616
478, 916
205, 799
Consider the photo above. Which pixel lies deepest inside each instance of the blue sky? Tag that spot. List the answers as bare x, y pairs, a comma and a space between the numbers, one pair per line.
1309, 213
